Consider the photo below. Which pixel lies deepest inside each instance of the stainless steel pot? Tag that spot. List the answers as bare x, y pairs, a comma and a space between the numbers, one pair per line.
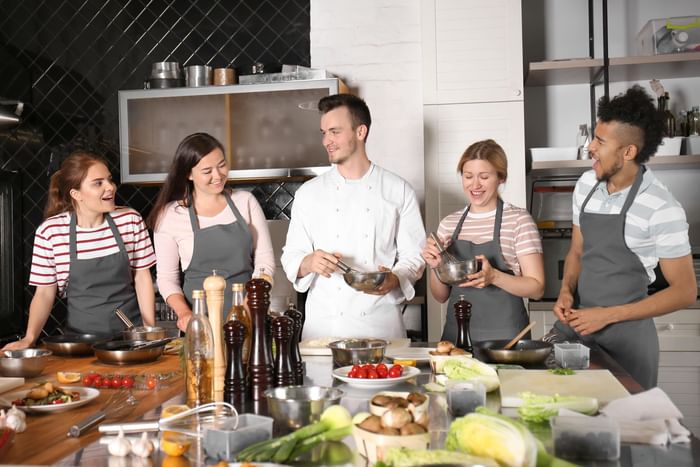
74, 345
143, 333
124, 353
198, 75
524, 351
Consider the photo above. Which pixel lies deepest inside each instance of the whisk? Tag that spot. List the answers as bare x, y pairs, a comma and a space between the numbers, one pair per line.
191, 422
118, 404
443, 252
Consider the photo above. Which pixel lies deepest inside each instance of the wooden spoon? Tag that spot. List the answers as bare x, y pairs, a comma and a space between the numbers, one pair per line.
520, 334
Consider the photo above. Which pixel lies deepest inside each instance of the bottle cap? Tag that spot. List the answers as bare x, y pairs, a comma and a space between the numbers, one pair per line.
238, 287
197, 294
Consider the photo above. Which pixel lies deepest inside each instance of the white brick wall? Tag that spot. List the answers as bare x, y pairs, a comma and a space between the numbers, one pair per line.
374, 46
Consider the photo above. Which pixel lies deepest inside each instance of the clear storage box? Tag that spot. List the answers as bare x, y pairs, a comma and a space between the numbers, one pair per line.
669, 35
575, 356
585, 438
224, 443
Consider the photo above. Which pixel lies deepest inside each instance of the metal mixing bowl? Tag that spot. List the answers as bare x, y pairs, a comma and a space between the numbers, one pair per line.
295, 406
454, 273
144, 333
364, 281
357, 351
524, 351
25, 363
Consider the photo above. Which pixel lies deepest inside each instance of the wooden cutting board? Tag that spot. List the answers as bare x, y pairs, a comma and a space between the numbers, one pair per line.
600, 384
7, 384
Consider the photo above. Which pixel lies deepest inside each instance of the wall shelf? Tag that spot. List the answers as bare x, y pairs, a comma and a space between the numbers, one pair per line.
659, 162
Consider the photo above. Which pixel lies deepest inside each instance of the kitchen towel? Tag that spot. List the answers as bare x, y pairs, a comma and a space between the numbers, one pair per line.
648, 417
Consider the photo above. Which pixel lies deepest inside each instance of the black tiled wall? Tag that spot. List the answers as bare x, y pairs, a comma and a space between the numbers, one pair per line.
67, 59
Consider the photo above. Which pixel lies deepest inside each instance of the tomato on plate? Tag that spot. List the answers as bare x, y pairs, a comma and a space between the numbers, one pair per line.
395, 371
382, 370
372, 374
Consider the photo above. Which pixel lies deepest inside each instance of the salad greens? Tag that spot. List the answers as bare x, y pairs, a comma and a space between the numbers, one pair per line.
472, 369
539, 408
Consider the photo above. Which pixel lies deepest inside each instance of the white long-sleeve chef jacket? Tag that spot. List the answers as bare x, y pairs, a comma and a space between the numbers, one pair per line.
374, 221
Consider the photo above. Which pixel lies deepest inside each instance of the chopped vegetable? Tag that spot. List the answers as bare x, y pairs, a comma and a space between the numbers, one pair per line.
562, 371
401, 457
472, 369
540, 408
485, 433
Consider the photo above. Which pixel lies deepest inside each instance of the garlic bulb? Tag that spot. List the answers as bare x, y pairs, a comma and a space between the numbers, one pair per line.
143, 447
119, 446
17, 423
14, 410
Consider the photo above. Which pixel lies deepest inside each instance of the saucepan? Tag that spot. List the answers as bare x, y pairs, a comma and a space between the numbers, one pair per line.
130, 352
362, 281
524, 351
74, 345
139, 333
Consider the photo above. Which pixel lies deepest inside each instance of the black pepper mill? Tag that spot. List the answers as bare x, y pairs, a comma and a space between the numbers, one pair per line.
297, 362
282, 332
463, 315
259, 365
235, 333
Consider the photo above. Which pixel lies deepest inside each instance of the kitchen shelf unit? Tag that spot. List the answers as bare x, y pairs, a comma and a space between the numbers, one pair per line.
656, 162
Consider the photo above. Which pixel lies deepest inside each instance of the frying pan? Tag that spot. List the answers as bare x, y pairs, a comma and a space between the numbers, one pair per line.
125, 353
524, 351
74, 345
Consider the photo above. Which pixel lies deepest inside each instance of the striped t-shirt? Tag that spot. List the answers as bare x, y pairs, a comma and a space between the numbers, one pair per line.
519, 234
655, 226
51, 256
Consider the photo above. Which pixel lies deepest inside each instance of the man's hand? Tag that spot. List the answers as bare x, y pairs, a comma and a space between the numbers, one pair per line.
562, 308
390, 282
319, 262
23, 343
183, 320
586, 321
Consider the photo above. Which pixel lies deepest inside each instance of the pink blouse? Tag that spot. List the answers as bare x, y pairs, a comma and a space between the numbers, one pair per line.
173, 239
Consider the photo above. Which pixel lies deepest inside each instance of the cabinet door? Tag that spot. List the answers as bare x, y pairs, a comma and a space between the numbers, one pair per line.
449, 130
472, 51
679, 377
679, 331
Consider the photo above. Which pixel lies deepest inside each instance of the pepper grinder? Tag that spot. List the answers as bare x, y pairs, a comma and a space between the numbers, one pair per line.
463, 315
282, 331
297, 362
259, 365
235, 333
214, 287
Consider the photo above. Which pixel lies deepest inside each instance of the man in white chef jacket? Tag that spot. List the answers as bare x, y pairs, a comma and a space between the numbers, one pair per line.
362, 214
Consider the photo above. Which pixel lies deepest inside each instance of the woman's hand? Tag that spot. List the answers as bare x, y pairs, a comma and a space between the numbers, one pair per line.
484, 277
183, 320
23, 343
431, 254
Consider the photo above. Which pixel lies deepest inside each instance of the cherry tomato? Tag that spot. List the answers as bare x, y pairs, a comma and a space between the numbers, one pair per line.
368, 366
394, 372
97, 381
87, 380
115, 382
372, 374
361, 374
382, 370
399, 368
57, 401
356, 368
151, 382
18, 402
128, 382
106, 383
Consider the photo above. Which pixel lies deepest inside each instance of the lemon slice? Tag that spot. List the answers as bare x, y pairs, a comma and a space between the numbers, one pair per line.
174, 445
66, 377
170, 410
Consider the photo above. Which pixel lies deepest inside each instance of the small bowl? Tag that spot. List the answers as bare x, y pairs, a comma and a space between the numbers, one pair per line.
454, 273
295, 406
437, 362
365, 281
26, 363
357, 351
373, 446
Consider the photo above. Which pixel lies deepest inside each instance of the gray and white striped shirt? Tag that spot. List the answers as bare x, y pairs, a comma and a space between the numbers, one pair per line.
655, 226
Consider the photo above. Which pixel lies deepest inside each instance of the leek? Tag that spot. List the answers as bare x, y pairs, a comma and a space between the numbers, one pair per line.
540, 408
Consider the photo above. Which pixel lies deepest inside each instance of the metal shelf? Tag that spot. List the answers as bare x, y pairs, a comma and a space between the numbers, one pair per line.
579, 166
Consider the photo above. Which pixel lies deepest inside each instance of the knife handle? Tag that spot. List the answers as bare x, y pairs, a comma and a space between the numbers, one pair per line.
79, 428
131, 427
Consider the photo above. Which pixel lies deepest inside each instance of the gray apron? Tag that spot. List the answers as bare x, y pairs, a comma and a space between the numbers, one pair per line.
227, 248
612, 274
97, 286
496, 314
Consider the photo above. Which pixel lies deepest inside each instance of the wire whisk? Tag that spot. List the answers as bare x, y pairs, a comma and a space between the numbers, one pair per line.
447, 256
118, 405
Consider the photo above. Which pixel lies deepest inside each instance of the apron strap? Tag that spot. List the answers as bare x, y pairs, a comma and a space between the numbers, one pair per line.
634, 190
193, 215
496, 223
73, 235
115, 232
458, 229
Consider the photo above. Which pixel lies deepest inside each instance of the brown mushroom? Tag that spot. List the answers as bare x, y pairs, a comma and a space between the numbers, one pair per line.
389, 431
458, 351
444, 347
381, 400
396, 418
416, 398
412, 429
372, 424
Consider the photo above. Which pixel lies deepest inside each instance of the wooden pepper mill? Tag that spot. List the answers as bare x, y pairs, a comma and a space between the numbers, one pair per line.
214, 287
235, 333
463, 315
297, 362
259, 365
282, 332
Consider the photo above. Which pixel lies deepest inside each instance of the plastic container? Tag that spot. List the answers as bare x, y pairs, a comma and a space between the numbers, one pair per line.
575, 356
585, 438
464, 397
224, 443
668, 35
554, 154
669, 146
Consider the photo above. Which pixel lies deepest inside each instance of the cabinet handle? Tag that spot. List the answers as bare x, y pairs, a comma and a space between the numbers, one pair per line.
669, 327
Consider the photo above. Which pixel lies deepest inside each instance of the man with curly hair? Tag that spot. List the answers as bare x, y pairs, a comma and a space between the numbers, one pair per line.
625, 222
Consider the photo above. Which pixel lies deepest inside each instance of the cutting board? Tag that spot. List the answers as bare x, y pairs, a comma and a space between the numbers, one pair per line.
320, 346
6, 384
600, 384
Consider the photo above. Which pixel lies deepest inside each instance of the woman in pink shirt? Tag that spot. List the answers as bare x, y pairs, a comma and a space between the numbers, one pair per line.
200, 225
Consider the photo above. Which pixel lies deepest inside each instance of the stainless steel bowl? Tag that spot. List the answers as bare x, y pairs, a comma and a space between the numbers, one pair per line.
25, 363
454, 273
524, 351
144, 333
364, 281
357, 351
295, 406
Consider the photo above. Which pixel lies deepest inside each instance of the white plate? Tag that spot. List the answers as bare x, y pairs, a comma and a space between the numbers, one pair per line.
319, 346
379, 383
419, 354
86, 395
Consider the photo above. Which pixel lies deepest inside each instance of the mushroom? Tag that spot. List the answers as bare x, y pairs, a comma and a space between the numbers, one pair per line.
372, 424
381, 400
416, 398
389, 431
444, 347
396, 418
412, 429
458, 351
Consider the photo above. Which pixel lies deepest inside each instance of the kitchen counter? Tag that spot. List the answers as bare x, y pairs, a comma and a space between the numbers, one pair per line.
49, 431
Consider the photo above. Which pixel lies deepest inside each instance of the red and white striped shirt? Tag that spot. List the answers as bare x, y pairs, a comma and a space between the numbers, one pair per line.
519, 234
51, 256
